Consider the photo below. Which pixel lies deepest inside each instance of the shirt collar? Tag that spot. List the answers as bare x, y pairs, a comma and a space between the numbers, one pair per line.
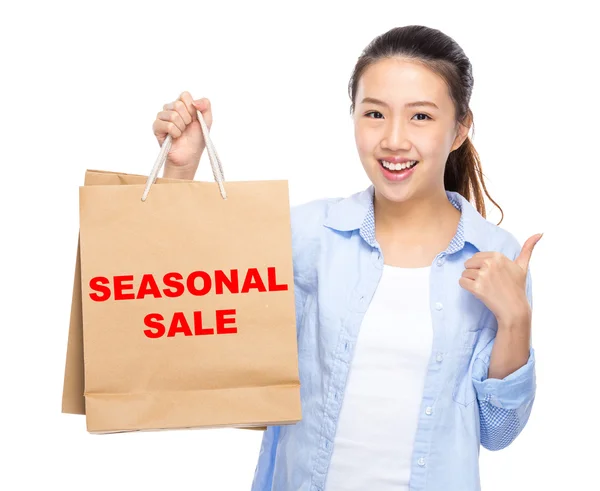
356, 212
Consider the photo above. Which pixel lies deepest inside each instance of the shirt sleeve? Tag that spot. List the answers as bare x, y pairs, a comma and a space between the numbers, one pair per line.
504, 405
265, 467
263, 473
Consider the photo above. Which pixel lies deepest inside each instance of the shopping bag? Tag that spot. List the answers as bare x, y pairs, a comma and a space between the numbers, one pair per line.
183, 304
73, 401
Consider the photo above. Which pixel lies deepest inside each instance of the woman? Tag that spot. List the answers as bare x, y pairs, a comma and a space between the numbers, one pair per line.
440, 296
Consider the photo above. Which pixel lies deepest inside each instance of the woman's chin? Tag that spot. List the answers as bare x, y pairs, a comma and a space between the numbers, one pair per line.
392, 191
394, 195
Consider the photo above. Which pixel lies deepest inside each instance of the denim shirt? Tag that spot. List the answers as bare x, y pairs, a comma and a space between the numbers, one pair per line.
337, 267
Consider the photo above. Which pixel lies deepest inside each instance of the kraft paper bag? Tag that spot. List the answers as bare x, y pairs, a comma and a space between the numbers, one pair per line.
73, 401
183, 312
184, 306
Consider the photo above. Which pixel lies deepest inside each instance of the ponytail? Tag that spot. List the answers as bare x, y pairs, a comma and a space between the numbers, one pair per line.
464, 175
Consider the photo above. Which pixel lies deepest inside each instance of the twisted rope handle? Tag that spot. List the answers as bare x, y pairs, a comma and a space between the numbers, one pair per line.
215, 162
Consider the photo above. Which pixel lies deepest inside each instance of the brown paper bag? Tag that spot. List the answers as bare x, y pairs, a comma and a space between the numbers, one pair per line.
132, 382
73, 401
163, 334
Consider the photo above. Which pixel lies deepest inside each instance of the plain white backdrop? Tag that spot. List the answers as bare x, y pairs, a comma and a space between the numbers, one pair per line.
81, 85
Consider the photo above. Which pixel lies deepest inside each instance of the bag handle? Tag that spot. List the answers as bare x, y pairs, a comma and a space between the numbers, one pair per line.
215, 162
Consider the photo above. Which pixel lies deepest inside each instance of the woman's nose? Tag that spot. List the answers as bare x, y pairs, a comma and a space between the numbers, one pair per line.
395, 137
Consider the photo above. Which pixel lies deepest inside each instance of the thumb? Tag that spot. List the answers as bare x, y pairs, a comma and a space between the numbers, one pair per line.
525, 255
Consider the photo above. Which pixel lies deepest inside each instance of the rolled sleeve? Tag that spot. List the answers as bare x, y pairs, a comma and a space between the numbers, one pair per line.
517, 389
511, 392
504, 404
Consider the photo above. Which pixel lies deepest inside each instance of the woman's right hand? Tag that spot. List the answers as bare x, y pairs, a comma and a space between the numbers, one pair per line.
180, 120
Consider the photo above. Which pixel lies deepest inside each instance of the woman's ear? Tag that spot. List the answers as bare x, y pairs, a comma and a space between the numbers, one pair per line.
462, 131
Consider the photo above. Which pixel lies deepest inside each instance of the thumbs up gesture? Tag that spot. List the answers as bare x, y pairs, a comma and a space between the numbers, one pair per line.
500, 282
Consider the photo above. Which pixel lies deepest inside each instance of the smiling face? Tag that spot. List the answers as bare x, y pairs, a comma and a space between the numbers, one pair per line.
415, 119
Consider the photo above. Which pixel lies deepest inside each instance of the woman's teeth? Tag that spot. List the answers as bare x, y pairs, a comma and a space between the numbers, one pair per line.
390, 166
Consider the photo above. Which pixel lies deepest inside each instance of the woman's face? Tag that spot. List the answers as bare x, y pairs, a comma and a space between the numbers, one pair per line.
397, 127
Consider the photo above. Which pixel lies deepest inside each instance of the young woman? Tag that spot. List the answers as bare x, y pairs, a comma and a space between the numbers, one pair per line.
413, 311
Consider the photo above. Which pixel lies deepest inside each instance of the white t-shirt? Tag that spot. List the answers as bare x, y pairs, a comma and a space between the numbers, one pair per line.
380, 410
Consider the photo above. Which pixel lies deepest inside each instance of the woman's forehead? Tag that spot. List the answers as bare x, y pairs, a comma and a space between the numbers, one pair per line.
400, 82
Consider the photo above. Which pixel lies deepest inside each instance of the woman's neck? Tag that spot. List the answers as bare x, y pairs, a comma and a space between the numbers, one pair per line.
413, 232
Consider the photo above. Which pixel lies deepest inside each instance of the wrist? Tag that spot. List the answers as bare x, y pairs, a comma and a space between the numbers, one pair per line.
518, 319
185, 172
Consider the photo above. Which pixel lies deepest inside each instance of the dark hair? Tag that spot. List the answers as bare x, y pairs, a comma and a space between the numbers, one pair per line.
441, 54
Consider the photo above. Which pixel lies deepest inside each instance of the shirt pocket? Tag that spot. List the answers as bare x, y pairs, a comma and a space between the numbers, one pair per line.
471, 328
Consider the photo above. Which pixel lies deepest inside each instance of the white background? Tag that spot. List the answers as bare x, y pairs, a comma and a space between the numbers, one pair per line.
81, 85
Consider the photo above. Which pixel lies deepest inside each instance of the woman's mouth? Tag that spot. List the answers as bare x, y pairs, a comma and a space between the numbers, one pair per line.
397, 172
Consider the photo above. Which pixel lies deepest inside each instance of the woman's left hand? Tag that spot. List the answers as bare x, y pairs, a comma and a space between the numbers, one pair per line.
499, 282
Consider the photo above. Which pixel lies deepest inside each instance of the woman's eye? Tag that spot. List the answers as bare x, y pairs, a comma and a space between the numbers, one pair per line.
421, 114
418, 114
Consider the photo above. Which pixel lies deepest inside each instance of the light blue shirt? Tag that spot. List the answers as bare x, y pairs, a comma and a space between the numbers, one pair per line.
337, 267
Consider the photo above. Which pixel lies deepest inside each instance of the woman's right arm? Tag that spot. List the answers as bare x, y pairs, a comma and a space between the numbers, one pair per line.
180, 120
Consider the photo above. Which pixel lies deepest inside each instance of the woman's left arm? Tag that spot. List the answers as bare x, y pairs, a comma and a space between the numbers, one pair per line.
505, 383
512, 346
504, 371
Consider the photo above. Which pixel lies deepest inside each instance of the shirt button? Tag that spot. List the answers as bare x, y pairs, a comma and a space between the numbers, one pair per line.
438, 306
428, 411
421, 461
440, 261
439, 357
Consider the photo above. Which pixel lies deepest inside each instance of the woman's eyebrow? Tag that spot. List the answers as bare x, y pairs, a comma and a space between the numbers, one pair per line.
372, 100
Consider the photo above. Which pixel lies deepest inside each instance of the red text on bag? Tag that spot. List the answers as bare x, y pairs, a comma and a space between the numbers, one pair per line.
197, 283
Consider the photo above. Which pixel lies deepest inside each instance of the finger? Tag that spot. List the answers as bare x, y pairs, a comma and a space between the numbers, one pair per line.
485, 254
477, 262
467, 283
485, 259
170, 114
179, 107
203, 105
188, 101
525, 255
163, 127
471, 274
182, 109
